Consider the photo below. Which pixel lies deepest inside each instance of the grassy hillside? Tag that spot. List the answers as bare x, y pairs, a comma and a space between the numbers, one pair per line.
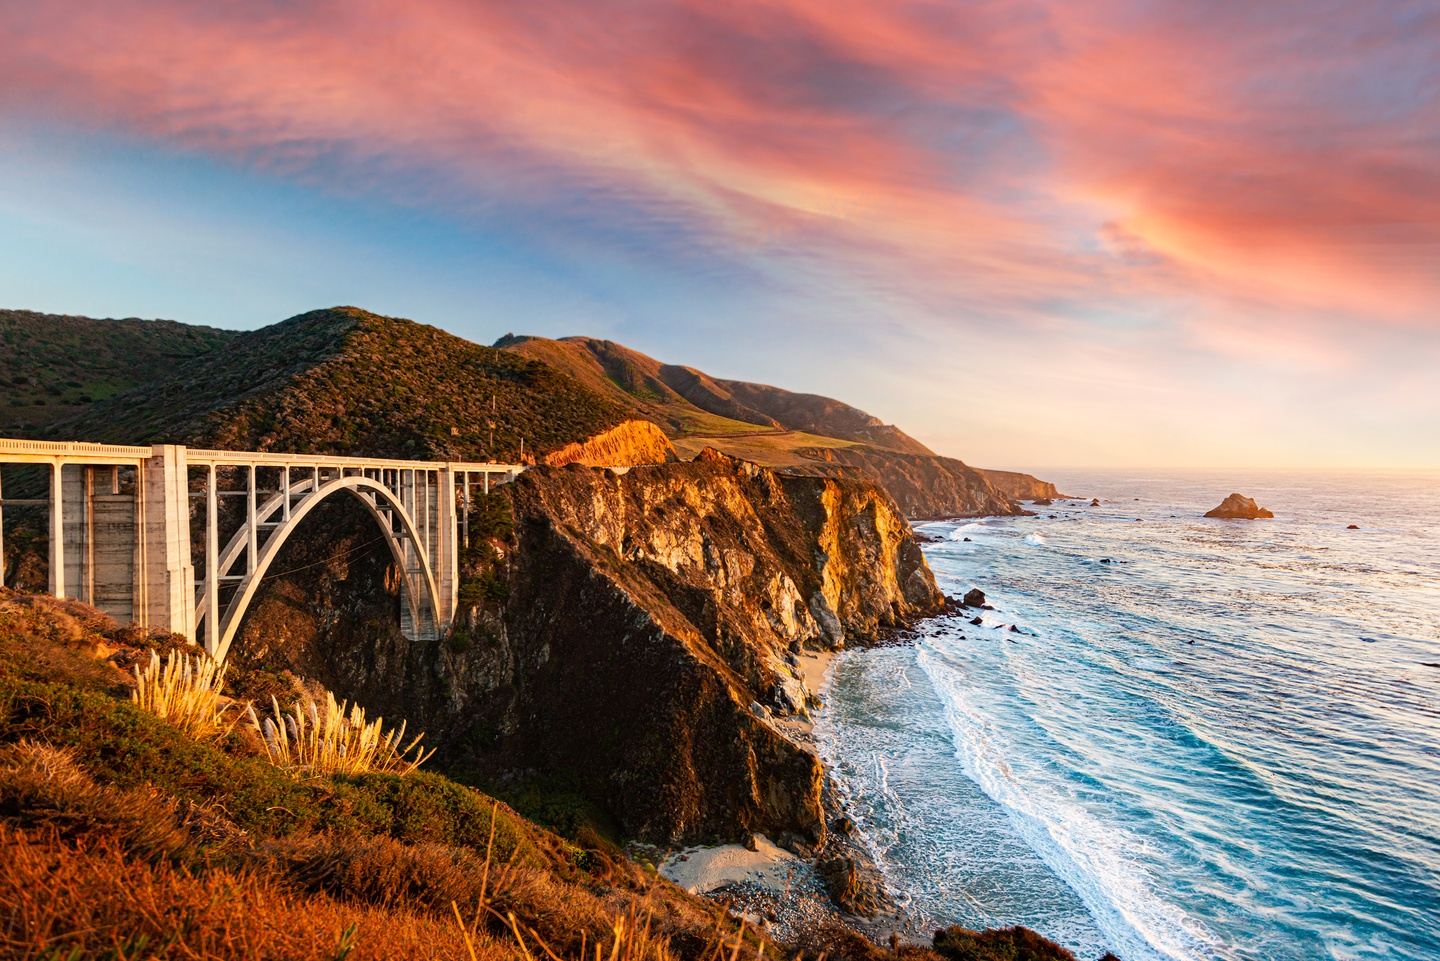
53, 367
123, 837
688, 402
344, 380
347, 381
120, 833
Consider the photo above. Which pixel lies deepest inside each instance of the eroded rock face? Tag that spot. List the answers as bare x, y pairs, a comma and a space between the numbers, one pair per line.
926, 486
630, 634
1021, 487
625, 445
1239, 507
651, 616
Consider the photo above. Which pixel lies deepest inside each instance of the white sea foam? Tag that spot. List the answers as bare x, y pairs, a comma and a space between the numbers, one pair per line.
1085, 853
1035, 540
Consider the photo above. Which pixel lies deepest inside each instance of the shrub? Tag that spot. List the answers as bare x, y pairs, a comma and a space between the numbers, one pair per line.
316, 740
998, 944
184, 690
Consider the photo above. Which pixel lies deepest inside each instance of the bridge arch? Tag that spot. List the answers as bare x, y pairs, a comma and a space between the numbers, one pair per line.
421, 589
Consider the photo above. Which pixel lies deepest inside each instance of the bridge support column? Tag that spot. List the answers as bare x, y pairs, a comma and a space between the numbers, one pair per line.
100, 539
57, 529
169, 581
447, 549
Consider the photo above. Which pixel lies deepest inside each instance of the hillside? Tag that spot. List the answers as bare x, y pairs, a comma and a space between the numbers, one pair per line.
123, 836
799, 433
347, 381
54, 366
689, 402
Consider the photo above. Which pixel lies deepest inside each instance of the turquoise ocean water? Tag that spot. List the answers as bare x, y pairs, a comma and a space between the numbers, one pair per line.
1202, 740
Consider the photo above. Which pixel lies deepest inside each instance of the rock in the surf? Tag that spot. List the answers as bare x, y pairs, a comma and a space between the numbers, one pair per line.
974, 597
1239, 507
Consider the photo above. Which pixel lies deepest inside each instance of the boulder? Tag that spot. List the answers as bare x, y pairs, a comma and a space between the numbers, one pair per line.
1043, 501
974, 597
1095, 502
1239, 507
1353, 527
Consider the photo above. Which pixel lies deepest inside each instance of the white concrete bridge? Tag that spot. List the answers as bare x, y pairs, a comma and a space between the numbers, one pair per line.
119, 521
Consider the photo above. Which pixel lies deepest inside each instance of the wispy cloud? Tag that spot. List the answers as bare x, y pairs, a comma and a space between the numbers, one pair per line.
1239, 179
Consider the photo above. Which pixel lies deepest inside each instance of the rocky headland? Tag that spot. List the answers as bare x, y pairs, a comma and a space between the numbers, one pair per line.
637, 644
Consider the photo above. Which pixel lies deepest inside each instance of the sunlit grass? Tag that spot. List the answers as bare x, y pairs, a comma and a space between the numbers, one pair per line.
335, 738
184, 689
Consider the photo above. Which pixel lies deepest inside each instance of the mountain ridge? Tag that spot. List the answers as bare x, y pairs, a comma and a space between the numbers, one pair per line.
348, 381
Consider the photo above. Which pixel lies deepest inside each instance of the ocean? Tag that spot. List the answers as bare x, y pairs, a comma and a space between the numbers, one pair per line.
1172, 737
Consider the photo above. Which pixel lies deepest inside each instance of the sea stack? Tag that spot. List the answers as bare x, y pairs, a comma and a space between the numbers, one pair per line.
1239, 507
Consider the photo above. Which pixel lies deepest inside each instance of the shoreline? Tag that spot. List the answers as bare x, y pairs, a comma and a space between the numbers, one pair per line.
838, 883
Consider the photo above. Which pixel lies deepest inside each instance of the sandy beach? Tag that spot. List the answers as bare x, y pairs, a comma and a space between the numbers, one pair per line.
703, 869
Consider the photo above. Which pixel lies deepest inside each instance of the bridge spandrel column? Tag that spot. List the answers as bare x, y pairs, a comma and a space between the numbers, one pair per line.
169, 603
447, 547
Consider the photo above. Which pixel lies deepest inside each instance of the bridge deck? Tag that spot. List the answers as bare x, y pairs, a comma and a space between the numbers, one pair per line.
16, 451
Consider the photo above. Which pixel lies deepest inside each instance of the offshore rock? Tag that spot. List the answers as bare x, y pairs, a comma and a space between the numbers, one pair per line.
1238, 507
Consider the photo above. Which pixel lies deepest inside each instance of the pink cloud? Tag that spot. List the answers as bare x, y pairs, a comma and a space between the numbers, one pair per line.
1140, 149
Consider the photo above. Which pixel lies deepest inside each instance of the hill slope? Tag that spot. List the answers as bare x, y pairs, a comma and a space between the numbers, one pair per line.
800, 433
690, 402
347, 381
54, 366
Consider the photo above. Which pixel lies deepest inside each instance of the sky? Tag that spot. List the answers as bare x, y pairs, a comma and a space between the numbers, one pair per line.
1173, 233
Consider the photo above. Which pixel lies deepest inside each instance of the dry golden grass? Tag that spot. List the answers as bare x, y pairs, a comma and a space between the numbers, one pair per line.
335, 738
184, 689
88, 899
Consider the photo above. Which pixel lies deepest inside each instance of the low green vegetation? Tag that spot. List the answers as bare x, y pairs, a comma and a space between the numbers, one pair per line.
52, 367
348, 381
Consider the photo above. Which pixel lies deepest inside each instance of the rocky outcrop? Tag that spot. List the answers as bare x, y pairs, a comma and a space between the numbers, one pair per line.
1021, 487
653, 616
633, 634
628, 444
1239, 507
925, 486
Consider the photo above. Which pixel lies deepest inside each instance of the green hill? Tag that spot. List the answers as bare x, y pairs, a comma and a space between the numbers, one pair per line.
689, 402
344, 380
347, 381
53, 366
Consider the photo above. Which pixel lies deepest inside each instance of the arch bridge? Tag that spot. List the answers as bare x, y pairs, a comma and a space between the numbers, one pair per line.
120, 523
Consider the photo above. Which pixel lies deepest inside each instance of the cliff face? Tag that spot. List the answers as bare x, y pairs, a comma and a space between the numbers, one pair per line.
925, 486
628, 444
1021, 487
652, 617
634, 634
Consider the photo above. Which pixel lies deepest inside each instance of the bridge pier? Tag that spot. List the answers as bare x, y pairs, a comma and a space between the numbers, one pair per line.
169, 581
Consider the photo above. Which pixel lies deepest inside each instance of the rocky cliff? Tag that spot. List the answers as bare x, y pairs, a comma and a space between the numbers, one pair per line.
627, 444
635, 634
925, 486
1021, 487
653, 619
